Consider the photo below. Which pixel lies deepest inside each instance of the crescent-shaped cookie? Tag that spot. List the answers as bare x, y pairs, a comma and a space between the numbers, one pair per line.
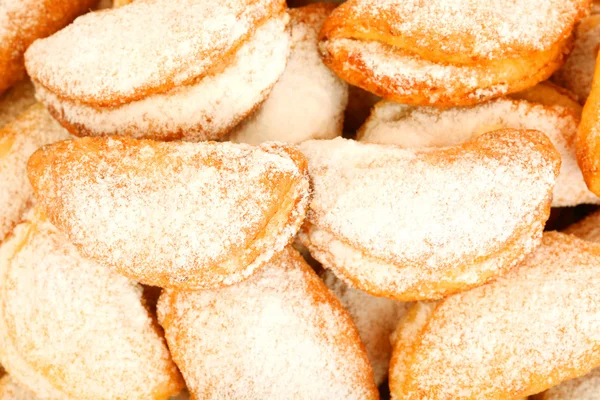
72, 327
420, 127
448, 53
173, 214
12, 390
578, 71
521, 334
374, 317
279, 335
411, 225
309, 100
18, 140
162, 69
22, 22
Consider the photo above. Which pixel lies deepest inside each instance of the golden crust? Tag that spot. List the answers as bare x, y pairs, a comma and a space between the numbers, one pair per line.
588, 137
87, 81
481, 344
31, 20
549, 94
358, 224
442, 56
238, 205
99, 343
280, 334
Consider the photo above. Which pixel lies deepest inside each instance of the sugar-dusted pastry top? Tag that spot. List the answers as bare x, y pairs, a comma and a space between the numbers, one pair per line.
173, 211
150, 46
420, 127
433, 207
278, 335
521, 334
374, 317
19, 140
461, 31
308, 101
82, 327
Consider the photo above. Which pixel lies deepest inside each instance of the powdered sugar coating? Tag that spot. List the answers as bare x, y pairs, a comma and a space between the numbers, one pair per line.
280, 334
467, 28
116, 56
431, 219
526, 331
18, 140
192, 215
94, 341
16, 101
416, 128
578, 71
203, 110
308, 101
12, 390
374, 317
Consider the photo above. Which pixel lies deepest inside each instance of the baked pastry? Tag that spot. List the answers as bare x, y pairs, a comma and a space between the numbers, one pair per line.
586, 387
96, 340
550, 94
374, 317
12, 390
18, 140
309, 100
22, 22
588, 137
279, 335
202, 67
521, 334
578, 71
448, 53
587, 229
412, 225
15, 101
182, 215
420, 127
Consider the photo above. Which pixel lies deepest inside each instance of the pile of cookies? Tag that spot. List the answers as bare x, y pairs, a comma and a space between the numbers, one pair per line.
233, 199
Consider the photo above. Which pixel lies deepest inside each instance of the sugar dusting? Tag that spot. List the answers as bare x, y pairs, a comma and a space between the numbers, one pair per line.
15, 101
201, 111
431, 220
12, 390
179, 209
585, 388
374, 317
577, 72
117, 55
97, 310
540, 322
419, 127
18, 140
280, 334
308, 101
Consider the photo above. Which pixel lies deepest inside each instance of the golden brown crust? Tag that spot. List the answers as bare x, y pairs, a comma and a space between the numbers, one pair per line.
445, 353
238, 204
550, 94
227, 342
30, 21
588, 137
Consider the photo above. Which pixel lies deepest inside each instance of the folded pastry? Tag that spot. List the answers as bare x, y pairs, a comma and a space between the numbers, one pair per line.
185, 215
72, 329
18, 140
410, 224
22, 22
12, 390
374, 317
448, 53
308, 101
578, 71
421, 127
588, 137
521, 334
162, 69
279, 335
